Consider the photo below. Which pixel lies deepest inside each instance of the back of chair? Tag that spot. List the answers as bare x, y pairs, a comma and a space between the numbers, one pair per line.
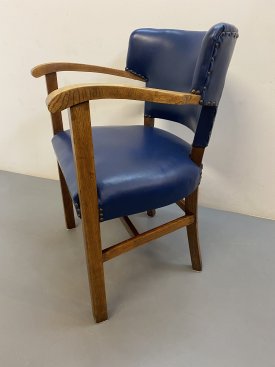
185, 61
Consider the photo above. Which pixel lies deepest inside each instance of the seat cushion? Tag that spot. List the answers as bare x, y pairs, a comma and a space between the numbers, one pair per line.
137, 168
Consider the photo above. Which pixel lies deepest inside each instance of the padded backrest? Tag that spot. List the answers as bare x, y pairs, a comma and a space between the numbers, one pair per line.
186, 61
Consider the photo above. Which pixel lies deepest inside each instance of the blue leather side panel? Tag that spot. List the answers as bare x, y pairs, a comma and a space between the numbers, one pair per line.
137, 168
184, 61
167, 59
213, 61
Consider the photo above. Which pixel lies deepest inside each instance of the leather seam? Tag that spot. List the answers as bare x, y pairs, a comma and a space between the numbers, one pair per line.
211, 65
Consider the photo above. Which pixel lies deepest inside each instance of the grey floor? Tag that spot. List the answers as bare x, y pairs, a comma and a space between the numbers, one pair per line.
161, 312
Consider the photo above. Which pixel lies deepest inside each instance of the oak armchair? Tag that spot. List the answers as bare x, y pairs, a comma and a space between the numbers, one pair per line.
116, 171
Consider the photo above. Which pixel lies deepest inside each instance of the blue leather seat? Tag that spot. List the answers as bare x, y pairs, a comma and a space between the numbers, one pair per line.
140, 168
137, 168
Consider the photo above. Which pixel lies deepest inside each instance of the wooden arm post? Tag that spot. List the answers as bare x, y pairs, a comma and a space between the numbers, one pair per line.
80, 124
57, 125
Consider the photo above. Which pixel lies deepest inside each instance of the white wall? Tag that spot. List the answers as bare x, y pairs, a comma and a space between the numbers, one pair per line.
239, 166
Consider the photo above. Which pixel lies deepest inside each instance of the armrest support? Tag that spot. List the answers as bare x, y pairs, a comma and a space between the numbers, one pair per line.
54, 67
66, 97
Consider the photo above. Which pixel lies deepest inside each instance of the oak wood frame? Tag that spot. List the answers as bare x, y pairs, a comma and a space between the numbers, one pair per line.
191, 206
145, 237
54, 67
57, 126
49, 70
80, 124
77, 98
69, 96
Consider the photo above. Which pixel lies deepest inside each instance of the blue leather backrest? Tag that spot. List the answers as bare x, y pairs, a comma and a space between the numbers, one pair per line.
186, 61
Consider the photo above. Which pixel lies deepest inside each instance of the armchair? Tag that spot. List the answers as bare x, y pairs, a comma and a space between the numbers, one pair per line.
115, 171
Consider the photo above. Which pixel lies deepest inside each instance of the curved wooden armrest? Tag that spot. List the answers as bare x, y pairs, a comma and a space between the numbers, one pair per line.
54, 67
66, 97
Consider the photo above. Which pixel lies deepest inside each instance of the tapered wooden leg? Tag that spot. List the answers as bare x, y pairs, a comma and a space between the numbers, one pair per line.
191, 205
80, 123
67, 202
151, 212
91, 233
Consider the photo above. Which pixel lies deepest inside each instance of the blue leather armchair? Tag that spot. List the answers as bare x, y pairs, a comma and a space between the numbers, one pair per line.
115, 171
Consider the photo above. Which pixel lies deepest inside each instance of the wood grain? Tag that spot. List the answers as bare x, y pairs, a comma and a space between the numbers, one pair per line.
145, 237
52, 85
181, 204
149, 121
131, 229
191, 206
53, 67
197, 155
57, 126
75, 94
67, 201
80, 124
